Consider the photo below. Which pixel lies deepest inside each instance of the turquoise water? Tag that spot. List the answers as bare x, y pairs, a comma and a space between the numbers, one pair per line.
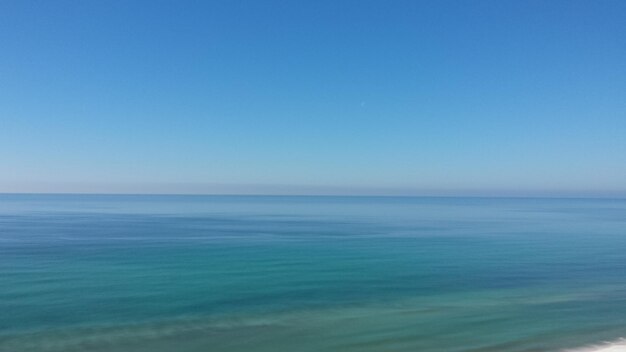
218, 273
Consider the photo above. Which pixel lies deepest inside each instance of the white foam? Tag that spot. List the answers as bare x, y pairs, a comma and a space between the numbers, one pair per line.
615, 346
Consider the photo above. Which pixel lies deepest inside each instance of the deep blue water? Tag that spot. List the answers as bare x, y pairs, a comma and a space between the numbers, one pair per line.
235, 273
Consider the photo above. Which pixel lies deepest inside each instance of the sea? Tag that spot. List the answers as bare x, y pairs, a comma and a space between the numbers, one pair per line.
139, 273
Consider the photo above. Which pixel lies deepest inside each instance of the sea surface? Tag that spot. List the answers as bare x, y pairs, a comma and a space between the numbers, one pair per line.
124, 273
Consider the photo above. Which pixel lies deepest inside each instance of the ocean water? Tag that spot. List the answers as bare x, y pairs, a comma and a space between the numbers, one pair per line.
233, 273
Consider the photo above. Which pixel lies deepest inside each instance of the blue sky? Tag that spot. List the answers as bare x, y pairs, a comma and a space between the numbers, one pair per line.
320, 97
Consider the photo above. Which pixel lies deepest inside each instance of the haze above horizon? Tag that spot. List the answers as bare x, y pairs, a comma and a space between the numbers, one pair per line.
313, 97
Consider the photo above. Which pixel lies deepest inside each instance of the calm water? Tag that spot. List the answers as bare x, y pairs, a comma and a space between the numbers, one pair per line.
210, 273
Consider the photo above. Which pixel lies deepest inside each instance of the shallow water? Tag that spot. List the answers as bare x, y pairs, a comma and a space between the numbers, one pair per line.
227, 273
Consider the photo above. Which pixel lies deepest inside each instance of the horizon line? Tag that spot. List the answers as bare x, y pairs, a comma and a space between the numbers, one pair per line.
502, 196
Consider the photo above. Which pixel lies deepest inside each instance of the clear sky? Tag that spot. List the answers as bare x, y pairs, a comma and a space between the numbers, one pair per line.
320, 97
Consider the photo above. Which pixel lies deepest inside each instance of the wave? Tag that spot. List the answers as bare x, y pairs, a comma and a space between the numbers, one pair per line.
98, 337
614, 346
